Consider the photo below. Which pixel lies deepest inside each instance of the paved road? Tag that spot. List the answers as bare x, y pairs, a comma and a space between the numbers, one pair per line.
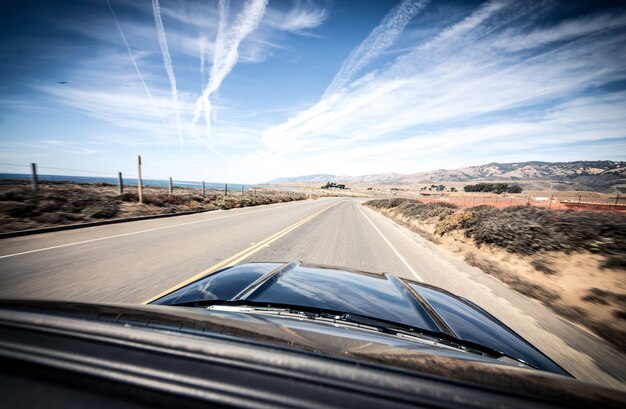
133, 262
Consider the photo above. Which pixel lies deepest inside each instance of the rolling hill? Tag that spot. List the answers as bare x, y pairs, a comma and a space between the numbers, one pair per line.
602, 176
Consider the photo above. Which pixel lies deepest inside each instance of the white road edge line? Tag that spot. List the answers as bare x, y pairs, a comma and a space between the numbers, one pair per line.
392, 247
137, 232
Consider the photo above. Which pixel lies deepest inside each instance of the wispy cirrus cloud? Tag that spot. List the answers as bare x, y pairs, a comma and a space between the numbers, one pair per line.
226, 53
377, 41
459, 89
564, 31
300, 19
167, 62
450, 84
132, 58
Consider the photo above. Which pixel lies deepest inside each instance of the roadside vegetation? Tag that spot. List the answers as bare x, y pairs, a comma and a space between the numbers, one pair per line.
574, 262
62, 203
497, 188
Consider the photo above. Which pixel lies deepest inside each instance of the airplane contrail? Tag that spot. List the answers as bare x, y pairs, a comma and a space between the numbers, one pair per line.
377, 41
218, 51
132, 58
167, 62
226, 52
202, 62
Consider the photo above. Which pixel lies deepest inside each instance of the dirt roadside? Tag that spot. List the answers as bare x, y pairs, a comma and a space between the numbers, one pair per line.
579, 276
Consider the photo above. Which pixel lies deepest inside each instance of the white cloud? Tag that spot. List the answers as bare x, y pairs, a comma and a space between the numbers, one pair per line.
300, 19
226, 53
459, 89
381, 37
167, 62
564, 31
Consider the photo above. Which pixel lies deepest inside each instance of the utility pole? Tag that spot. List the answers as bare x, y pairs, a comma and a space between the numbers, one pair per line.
120, 183
33, 177
139, 182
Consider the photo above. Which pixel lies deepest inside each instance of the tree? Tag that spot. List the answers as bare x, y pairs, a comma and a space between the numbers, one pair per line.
333, 185
497, 188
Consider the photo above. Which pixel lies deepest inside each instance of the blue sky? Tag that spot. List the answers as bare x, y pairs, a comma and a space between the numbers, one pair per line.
246, 91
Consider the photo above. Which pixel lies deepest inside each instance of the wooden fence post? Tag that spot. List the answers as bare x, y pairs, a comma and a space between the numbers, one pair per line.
120, 183
139, 182
225, 189
171, 190
203, 189
34, 181
616, 203
578, 204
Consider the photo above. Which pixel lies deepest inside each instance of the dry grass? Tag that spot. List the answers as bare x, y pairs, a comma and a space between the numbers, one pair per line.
61, 203
523, 230
513, 280
573, 262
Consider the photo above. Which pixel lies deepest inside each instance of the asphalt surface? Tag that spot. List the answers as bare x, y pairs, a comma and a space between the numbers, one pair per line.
133, 262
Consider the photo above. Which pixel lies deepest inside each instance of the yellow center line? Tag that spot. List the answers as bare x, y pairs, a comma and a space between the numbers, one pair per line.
240, 256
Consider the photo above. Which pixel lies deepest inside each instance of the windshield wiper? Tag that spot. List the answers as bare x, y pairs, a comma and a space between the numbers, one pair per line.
364, 322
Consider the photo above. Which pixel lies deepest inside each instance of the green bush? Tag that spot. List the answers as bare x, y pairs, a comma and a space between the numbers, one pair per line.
497, 188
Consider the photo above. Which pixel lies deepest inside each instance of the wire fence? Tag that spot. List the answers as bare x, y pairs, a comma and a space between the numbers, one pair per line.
132, 183
615, 204
37, 174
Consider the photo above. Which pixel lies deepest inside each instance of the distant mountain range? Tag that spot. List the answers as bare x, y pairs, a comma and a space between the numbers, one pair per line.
604, 176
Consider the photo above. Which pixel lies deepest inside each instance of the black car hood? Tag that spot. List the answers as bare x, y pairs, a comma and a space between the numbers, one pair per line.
422, 308
281, 343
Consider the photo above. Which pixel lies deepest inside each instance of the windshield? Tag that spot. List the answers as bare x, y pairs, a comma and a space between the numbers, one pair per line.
457, 168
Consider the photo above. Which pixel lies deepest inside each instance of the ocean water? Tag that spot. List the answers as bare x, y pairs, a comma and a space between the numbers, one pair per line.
127, 181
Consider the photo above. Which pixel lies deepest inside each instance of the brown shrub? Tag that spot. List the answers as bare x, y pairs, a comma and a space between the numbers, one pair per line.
455, 221
527, 230
542, 266
18, 194
604, 297
102, 210
389, 203
19, 209
128, 197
